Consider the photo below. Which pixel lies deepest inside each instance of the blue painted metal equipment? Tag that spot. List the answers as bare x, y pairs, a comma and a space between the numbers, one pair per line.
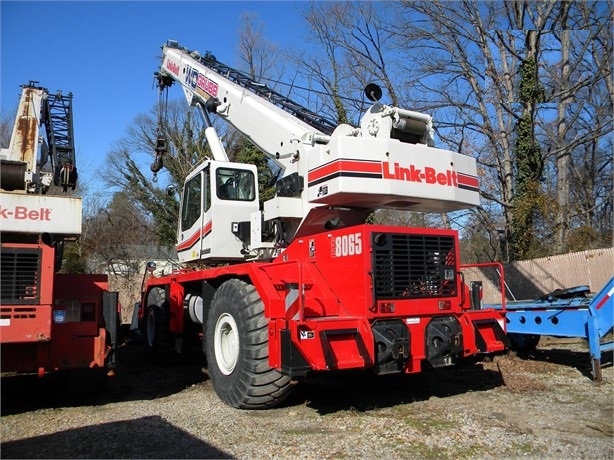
564, 313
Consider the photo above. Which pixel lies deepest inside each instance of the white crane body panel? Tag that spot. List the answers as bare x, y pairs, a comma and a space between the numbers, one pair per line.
269, 127
24, 142
385, 173
37, 214
388, 162
206, 223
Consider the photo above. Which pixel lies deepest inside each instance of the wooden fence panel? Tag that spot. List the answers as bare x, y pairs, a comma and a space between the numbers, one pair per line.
529, 279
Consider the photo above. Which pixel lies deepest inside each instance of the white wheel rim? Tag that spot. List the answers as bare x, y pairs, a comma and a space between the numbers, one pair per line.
151, 326
226, 343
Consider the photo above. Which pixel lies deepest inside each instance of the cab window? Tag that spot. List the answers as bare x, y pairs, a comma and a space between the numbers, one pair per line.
235, 184
190, 208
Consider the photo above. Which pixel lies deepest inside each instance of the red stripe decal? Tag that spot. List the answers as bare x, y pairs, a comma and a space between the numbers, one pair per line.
467, 180
195, 237
366, 166
603, 301
293, 310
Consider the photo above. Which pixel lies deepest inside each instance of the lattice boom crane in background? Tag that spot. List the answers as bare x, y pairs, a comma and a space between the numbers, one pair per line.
48, 320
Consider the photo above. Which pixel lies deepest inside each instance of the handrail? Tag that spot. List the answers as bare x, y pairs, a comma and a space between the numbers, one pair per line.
501, 273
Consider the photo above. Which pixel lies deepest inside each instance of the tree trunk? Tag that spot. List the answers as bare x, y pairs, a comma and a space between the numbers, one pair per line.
562, 159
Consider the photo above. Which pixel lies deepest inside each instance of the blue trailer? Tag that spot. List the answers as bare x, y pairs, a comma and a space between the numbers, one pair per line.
573, 312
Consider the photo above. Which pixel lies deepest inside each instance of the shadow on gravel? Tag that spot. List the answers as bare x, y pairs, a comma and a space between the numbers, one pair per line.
146, 437
362, 390
579, 360
137, 378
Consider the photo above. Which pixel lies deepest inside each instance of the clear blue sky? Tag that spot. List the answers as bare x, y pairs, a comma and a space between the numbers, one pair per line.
106, 52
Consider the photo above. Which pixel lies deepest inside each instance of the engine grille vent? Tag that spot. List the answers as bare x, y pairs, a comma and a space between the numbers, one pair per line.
19, 279
413, 266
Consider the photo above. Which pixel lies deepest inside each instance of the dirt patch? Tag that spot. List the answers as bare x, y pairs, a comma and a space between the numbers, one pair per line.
543, 405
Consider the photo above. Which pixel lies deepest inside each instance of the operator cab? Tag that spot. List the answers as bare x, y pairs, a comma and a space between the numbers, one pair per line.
216, 198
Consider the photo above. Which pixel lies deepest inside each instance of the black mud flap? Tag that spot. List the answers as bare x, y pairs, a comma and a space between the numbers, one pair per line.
292, 362
110, 314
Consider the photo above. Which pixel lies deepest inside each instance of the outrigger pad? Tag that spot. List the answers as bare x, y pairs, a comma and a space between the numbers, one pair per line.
569, 293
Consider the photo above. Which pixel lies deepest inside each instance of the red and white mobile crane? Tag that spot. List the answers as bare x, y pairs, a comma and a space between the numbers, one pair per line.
48, 321
304, 284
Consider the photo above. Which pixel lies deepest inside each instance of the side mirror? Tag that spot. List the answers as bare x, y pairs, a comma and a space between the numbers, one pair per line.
373, 92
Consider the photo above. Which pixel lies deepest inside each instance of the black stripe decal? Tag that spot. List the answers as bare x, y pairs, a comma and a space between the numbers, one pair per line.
468, 187
345, 174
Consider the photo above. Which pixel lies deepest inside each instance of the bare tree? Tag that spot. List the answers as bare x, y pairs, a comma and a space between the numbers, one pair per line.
258, 56
354, 49
6, 128
579, 142
479, 107
118, 236
516, 84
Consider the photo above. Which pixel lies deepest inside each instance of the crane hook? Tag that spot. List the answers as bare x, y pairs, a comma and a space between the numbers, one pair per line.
161, 150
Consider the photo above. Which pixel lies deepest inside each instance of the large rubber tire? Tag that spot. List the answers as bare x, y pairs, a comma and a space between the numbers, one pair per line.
524, 343
155, 327
237, 349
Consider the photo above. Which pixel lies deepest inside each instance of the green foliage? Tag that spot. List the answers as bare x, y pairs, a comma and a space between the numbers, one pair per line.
73, 262
479, 246
528, 197
527, 205
586, 237
531, 91
163, 208
186, 147
529, 163
342, 115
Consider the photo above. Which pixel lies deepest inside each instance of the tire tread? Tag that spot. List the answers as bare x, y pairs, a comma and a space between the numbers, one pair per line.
257, 386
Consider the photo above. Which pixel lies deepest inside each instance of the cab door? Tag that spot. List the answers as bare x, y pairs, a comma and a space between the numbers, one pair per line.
195, 220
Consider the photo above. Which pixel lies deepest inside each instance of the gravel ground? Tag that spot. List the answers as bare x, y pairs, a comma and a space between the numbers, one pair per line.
544, 406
